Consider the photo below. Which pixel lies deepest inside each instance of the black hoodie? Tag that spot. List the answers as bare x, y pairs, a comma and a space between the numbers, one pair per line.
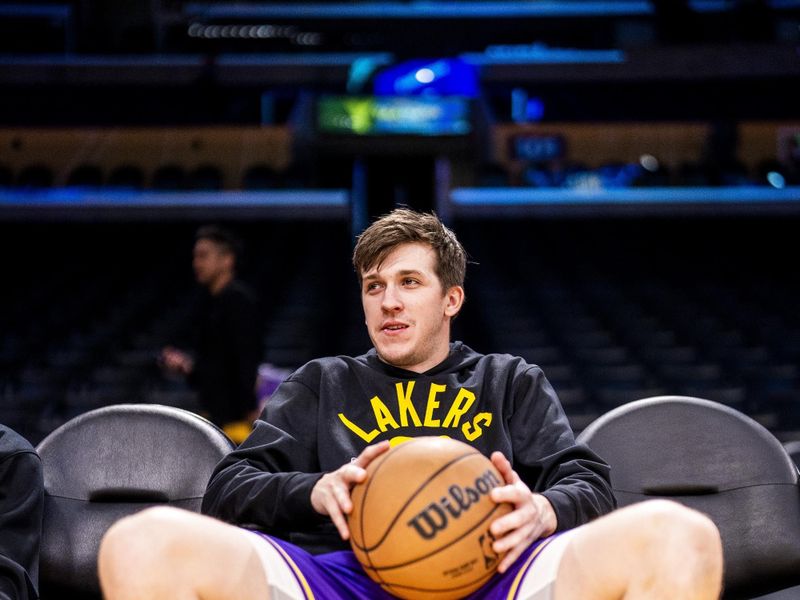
21, 505
329, 410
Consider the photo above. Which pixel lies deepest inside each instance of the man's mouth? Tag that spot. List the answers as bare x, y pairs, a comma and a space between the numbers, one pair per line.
394, 327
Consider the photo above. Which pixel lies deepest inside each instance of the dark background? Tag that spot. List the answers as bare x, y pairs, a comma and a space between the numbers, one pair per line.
616, 300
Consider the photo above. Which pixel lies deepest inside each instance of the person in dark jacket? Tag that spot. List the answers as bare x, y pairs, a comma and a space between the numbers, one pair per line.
277, 506
225, 336
21, 505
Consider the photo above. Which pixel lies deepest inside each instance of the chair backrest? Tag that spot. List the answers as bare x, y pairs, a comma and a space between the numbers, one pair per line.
793, 449
719, 461
109, 463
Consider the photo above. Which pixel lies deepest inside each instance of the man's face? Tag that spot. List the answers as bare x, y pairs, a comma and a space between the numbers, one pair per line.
210, 262
407, 311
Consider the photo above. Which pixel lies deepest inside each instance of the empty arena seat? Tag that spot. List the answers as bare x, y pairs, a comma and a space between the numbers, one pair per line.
793, 448
109, 463
6, 176
170, 177
260, 177
206, 177
719, 461
86, 175
35, 176
127, 176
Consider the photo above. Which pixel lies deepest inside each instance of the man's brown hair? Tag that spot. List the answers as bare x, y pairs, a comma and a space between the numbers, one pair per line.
403, 226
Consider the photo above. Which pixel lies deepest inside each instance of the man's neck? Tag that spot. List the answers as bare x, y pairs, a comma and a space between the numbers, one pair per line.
220, 283
435, 360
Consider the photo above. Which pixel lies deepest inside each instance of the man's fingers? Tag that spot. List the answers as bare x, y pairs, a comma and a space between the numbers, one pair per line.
352, 474
513, 520
342, 496
513, 543
331, 494
515, 495
507, 493
511, 537
370, 453
335, 513
509, 558
501, 464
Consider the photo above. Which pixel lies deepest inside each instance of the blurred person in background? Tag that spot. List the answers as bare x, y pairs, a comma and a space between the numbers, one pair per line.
21, 505
224, 338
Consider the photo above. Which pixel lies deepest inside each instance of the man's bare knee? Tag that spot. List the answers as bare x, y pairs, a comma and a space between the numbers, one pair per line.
135, 544
665, 521
151, 526
165, 552
678, 544
652, 549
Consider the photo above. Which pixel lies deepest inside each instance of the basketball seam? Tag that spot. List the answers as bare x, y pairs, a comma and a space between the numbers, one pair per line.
361, 517
439, 549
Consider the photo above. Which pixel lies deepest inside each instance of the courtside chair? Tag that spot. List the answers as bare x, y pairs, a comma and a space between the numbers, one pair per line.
109, 463
793, 449
719, 461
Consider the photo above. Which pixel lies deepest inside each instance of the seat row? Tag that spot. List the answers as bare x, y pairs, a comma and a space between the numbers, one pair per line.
114, 461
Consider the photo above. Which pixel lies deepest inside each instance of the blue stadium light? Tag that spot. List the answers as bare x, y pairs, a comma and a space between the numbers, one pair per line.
776, 180
539, 53
442, 77
525, 109
425, 75
649, 162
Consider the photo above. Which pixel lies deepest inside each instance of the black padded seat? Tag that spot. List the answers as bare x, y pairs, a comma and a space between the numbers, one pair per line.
206, 177
170, 177
793, 448
109, 463
36, 176
719, 461
86, 175
127, 177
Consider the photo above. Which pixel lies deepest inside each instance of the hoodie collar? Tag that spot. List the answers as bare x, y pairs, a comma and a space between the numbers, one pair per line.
460, 356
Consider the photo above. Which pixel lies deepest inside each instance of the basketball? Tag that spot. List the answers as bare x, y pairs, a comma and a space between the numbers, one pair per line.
420, 520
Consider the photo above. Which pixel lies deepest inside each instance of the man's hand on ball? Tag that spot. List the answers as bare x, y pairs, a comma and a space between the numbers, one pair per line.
532, 518
331, 494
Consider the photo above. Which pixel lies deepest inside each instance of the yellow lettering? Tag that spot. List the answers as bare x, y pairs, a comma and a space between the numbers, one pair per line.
461, 405
402, 439
367, 437
433, 404
382, 415
405, 406
472, 431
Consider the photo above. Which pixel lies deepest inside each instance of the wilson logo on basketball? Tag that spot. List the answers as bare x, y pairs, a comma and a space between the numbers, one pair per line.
436, 516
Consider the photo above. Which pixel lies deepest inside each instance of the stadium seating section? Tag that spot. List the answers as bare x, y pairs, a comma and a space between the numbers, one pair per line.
612, 309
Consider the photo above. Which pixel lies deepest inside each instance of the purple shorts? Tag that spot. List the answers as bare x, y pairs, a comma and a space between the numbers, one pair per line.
339, 576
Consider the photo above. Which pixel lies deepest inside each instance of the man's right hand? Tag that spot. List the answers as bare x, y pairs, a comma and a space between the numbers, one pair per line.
331, 494
176, 360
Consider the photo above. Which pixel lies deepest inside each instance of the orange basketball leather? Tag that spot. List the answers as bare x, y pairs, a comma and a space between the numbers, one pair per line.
420, 521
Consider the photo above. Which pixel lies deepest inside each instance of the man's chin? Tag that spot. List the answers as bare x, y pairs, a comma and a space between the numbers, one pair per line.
396, 359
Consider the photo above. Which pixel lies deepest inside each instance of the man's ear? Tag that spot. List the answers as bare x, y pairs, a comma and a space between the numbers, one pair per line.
455, 299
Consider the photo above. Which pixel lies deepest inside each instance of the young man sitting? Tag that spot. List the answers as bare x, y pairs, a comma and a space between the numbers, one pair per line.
277, 505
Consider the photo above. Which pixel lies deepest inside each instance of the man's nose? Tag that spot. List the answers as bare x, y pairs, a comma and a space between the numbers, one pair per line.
391, 299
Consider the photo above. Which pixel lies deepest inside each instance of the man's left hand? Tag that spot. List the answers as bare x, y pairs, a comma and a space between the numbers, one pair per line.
532, 518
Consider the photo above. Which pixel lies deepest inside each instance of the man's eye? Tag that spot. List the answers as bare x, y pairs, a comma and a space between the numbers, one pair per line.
409, 281
373, 286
